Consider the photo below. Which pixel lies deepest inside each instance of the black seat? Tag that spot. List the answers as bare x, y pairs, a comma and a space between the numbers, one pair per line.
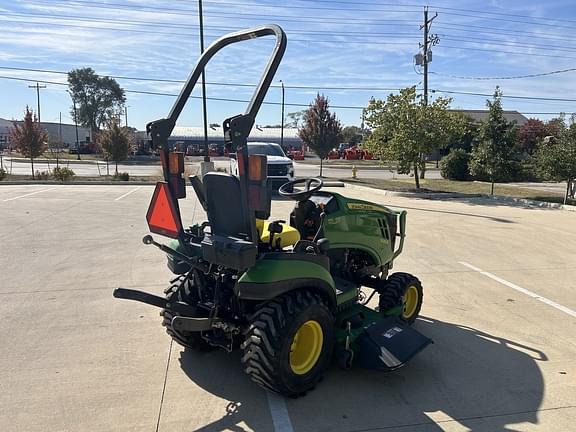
228, 244
224, 205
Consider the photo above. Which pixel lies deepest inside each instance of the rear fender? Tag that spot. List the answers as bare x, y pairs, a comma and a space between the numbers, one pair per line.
270, 278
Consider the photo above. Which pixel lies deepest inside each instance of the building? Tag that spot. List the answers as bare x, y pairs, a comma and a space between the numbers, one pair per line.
55, 131
191, 139
481, 115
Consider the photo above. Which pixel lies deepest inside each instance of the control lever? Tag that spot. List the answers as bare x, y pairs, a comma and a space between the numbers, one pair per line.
148, 239
274, 228
322, 218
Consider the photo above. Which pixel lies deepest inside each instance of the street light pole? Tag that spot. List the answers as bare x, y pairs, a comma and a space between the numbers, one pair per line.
204, 114
76, 125
282, 124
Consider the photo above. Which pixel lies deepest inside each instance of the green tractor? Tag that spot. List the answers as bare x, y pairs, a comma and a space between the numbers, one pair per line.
288, 294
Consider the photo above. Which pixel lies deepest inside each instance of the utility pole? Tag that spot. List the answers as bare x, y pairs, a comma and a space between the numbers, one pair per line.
206, 166
59, 141
429, 40
282, 124
427, 54
76, 125
38, 87
126, 115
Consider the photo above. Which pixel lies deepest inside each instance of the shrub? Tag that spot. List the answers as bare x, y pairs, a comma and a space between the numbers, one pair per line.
122, 176
42, 175
63, 174
525, 171
454, 166
2, 174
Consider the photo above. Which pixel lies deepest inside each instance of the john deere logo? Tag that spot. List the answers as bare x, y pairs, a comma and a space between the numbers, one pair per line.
359, 206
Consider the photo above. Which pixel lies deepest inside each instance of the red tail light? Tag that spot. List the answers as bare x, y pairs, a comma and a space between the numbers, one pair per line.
163, 216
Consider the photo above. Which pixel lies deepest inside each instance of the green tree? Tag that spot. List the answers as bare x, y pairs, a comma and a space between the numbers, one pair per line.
29, 138
405, 130
98, 99
556, 158
321, 130
493, 156
352, 135
115, 142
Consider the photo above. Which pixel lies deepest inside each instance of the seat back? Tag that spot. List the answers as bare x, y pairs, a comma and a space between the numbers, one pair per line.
224, 205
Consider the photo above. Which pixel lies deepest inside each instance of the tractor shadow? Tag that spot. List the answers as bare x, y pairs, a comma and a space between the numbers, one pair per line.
468, 378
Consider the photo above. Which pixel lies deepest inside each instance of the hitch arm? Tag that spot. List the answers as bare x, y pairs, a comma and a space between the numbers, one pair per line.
154, 300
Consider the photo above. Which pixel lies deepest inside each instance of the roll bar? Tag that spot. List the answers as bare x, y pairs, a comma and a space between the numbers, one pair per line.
160, 130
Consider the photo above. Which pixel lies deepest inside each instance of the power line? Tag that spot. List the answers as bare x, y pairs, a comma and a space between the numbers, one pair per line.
235, 15
301, 87
189, 26
179, 35
505, 96
508, 52
139, 22
505, 43
508, 20
354, 8
152, 93
338, 42
507, 77
500, 32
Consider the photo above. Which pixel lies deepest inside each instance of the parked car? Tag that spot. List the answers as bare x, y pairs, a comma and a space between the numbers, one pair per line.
280, 167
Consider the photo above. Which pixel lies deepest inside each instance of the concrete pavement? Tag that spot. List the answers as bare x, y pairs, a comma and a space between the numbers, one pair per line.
74, 359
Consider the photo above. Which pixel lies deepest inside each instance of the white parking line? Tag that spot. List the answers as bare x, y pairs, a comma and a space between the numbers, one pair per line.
279, 413
522, 290
128, 193
28, 194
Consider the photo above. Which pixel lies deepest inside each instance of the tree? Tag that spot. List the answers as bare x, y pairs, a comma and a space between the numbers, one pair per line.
405, 130
556, 158
29, 138
321, 130
98, 99
295, 119
115, 143
493, 156
352, 135
530, 134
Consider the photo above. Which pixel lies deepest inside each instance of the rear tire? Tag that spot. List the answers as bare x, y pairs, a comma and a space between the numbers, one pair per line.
289, 343
183, 290
402, 289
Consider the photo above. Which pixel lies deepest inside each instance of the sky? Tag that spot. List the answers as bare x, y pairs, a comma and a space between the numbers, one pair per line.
349, 51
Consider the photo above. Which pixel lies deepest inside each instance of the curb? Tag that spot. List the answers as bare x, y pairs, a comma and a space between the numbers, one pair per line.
438, 195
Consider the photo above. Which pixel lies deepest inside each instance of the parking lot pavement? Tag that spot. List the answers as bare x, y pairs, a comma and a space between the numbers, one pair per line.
499, 293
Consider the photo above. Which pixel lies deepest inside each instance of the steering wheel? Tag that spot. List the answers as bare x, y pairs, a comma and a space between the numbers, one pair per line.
311, 185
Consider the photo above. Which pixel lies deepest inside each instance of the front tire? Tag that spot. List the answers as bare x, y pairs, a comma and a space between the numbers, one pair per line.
402, 289
289, 343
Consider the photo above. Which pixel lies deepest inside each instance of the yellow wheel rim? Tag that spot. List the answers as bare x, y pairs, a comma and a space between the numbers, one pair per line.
410, 302
306, 347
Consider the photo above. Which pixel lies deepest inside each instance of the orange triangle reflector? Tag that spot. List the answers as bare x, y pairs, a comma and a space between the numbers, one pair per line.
162, 216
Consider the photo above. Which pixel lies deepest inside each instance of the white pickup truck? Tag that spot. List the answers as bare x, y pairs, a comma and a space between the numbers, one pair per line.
280, 166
